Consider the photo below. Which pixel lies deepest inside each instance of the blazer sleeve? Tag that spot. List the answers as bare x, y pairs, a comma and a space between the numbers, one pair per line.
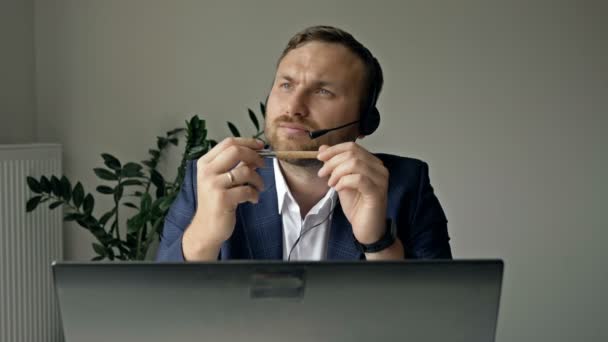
178, 218
428, 236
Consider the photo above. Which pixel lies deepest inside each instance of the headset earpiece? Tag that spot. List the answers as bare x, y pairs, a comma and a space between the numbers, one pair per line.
370, 121
370, 116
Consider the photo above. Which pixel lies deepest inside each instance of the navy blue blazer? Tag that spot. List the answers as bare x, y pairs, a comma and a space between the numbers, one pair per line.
258, 233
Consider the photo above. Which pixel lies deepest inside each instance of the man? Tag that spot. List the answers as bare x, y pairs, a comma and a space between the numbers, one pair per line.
346, 204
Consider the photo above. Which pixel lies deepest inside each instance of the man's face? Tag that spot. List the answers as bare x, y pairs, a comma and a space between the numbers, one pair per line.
317, 85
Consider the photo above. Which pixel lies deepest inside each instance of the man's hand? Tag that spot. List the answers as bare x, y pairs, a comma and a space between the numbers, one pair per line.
361, 181
225, 177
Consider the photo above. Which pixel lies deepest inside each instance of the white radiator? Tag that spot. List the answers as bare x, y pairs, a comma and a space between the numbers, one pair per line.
29, 242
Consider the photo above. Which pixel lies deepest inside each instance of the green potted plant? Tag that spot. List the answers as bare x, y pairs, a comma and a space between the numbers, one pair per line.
139, 186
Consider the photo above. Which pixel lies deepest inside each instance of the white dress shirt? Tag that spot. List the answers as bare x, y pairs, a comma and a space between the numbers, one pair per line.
313, 243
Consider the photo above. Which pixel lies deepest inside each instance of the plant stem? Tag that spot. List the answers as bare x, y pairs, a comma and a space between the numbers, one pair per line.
153, 234
71, 207
139, 237
116, 205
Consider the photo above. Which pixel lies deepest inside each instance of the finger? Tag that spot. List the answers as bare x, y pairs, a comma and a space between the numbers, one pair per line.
332, 163
334, 150
234, 196
224, 144
356, 166
242, 163
357, 182
323, 148
232, 155
344, 157
243, 175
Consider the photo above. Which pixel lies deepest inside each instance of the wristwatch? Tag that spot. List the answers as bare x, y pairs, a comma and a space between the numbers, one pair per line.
385, 241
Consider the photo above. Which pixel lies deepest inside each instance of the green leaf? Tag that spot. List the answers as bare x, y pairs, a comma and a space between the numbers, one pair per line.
78, 195
66, 188
113, 226
105, 190
45, 185
131, 182
105, 174
131, 170
90, 223
72, 217
154, 153
56, 186
99, 249
161, 142
175, 131
233, 129
135, 223
34, 185
123, 249
89, 203
110, 253
104, 219
32, 203
102, 236
111, 161
146, 202
263, 109
157, 179
55, 204
130, 205
197, 151
254, 119
165, 203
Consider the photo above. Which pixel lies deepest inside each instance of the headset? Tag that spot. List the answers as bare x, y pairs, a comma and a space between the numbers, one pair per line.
370, 117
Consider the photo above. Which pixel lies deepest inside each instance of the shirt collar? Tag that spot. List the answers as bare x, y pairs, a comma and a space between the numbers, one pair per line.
285, 198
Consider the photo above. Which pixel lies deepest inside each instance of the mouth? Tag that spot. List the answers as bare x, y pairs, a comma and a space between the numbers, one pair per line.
293, 129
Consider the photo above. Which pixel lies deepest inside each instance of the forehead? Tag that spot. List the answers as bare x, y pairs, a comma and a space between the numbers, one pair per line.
326, 61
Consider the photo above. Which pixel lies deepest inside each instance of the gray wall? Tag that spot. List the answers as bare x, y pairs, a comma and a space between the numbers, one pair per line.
17, 100
506, 100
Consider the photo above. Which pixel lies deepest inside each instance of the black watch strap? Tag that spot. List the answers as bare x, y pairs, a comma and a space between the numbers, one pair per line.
390, 235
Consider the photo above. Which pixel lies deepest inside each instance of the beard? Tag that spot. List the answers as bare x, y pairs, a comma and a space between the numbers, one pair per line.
293, 143
302, 143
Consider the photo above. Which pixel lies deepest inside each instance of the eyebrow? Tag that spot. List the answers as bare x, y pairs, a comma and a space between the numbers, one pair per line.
319, 83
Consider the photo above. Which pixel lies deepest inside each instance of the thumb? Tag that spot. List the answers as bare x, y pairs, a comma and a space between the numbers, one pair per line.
323, 148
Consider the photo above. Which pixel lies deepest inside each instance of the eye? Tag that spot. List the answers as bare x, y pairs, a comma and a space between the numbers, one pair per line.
285, 85
324, 91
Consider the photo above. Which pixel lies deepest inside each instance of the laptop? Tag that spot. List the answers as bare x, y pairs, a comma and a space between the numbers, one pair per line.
269, 301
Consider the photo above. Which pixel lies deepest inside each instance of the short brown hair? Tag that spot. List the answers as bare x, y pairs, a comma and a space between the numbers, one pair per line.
328, 34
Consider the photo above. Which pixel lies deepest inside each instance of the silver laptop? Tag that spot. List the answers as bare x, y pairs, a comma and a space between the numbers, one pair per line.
276, 301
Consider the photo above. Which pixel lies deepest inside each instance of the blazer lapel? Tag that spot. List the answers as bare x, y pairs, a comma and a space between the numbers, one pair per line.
262, 224
341, 244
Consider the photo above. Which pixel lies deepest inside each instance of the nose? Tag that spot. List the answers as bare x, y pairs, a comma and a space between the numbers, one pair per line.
297, 104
